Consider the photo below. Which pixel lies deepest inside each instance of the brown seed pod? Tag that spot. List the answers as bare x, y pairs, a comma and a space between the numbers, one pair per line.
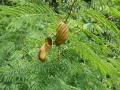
61, 33
42, 53
48, 43
44, 49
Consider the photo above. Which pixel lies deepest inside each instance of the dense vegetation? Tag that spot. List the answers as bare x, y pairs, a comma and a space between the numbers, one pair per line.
89, 59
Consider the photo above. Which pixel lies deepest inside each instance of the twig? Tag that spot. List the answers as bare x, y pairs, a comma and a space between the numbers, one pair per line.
70, 10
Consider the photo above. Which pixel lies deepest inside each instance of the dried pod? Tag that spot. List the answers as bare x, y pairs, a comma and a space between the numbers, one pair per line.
48, 43
42, 53
44, 49
61, 33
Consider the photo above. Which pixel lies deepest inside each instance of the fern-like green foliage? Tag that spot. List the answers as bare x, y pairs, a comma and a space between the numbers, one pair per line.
89, 60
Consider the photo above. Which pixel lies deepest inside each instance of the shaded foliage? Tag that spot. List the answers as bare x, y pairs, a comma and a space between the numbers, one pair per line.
89, 59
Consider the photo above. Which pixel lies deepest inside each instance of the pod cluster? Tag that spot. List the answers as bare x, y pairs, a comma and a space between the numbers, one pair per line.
61, 37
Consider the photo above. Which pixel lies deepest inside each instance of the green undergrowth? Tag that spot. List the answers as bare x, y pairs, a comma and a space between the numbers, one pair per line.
89, 59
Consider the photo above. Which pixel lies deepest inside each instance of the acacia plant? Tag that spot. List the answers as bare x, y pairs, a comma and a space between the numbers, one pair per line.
89, 59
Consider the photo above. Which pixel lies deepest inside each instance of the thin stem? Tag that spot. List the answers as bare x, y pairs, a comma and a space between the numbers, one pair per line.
70, 10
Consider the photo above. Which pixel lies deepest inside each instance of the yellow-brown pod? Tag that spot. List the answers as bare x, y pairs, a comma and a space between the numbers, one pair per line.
61, 33
44, 49
48, 43
42, 53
